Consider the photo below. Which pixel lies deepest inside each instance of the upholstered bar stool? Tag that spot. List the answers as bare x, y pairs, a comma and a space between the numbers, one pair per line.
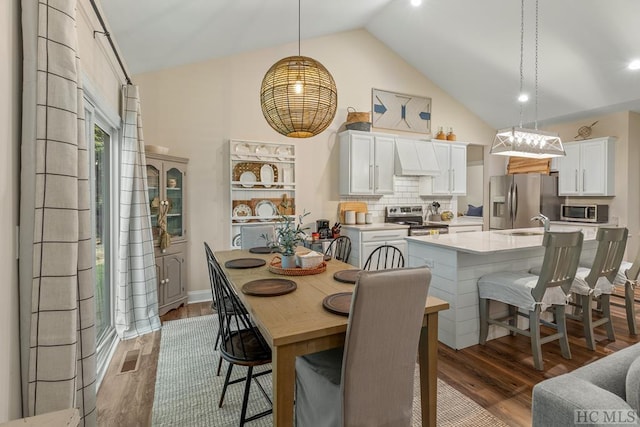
628, 275
535, 293
596, 283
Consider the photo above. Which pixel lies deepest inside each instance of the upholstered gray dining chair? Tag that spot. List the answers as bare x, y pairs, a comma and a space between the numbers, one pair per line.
535, 293
370, 380
252, 236
384, 257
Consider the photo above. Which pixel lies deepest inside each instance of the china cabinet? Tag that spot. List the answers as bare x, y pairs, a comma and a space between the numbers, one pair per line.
452, 176
262, 176
366, 163
167, 182
588, 168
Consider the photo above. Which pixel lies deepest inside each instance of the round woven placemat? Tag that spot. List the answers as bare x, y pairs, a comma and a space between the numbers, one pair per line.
275, 266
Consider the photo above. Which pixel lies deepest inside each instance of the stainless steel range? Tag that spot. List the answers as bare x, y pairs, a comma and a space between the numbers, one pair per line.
413, 216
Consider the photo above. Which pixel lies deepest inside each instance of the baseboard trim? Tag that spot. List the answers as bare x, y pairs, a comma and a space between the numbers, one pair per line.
199, 296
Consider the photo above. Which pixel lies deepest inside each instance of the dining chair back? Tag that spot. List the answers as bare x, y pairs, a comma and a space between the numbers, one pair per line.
342, 387
384, 257
523, 290
339, 248
596, 283
252, 236
631, 275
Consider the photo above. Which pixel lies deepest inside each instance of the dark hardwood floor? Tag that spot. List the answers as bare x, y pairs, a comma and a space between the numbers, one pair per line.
499, 376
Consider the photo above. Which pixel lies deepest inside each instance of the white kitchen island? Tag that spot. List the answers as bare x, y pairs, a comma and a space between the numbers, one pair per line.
457, 261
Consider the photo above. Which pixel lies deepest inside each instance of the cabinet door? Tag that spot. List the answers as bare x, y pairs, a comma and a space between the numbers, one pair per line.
384, 163
458, 170
361, 164
594, 157
367, 248
175, 183
160, 279
173, 266
441, 181
568, 170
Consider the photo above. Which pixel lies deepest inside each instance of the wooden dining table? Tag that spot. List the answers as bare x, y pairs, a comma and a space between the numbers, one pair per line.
296, 324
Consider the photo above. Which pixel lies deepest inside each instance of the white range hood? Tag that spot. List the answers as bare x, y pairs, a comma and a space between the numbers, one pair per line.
415, 158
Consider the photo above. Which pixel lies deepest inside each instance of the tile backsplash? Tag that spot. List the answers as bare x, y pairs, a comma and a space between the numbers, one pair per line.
405, 193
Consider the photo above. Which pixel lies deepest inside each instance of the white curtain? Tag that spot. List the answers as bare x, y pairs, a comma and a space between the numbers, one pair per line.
56, 255
136, 294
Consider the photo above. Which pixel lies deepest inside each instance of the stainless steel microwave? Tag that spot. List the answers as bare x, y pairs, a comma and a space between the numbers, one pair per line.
584, 213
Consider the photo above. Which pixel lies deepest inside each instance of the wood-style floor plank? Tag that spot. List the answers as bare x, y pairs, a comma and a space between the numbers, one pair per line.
499, 376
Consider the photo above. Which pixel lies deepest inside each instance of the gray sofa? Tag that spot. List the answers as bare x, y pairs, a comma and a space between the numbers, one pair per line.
605, 392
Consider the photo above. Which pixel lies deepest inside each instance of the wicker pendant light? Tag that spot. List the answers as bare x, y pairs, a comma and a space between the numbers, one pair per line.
298, 95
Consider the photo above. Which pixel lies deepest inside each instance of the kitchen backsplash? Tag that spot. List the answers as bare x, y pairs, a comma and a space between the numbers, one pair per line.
406, 193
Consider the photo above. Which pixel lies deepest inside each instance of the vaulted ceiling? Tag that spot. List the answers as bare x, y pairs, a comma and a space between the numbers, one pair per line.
470, 48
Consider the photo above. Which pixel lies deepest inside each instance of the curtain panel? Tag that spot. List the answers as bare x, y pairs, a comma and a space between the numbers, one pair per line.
56, 255
136, 294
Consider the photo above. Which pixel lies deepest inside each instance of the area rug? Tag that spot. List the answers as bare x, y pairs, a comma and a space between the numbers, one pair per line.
187, 388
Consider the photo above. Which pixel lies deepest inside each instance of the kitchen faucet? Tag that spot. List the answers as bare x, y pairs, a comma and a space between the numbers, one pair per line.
543, 219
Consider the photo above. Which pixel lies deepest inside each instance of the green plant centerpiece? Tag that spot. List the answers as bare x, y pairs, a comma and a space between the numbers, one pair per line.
288, 235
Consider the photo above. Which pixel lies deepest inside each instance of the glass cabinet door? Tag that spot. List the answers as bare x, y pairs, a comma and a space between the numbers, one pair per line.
174, 188
153, 184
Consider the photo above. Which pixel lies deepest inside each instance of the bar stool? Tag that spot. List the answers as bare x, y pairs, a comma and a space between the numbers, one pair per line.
596, 283
630, 274
535, 293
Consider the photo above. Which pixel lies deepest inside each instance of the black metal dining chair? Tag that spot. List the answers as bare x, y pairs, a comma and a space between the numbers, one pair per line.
240, 341
384, 257
339, 248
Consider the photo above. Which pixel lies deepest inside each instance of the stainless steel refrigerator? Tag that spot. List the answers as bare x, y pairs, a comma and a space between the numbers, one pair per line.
514, 199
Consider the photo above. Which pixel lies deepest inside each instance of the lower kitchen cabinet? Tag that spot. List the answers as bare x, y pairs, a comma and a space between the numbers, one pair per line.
464, 229
171, 271
365, 239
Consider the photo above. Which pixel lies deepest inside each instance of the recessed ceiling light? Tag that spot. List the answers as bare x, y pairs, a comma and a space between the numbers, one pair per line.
416, 3
523, 97
634, 65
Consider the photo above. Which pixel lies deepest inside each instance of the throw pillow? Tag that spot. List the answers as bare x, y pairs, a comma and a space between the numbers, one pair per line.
632, 385
474, 211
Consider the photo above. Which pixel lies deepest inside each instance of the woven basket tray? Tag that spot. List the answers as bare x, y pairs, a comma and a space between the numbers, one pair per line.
275, 266
254, 167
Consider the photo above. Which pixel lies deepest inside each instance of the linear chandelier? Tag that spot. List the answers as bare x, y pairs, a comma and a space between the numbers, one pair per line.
298, 95
520, 141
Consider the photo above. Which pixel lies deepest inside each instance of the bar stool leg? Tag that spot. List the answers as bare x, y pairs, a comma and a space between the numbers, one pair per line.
587, 321
606, 312
561, 324
536, 346
484, 320
513, 313
629, 302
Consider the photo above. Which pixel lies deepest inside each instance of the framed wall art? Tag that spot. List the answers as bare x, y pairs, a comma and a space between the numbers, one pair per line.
399, 111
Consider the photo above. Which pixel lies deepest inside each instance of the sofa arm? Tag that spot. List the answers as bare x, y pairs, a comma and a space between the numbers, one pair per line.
567, 399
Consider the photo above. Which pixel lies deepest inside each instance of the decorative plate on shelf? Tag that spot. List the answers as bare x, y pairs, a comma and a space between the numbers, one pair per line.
237, 240
261, 150
267, 175
266, 209
247, 179
283, 153
241, 210
242, 150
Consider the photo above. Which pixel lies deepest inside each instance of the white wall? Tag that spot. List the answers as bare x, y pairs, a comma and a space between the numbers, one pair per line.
11, 88
196, 109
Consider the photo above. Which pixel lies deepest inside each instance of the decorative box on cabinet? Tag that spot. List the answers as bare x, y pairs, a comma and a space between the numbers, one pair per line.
366, 163
452, 179
167, 183
588, 168
262, 181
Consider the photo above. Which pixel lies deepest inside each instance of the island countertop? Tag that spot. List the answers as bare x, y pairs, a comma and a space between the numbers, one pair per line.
496, 241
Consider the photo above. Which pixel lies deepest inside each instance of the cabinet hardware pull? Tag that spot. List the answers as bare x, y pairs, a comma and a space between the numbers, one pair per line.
576, 180
166, 281
377, 177
584, 179
162, 282
371, 177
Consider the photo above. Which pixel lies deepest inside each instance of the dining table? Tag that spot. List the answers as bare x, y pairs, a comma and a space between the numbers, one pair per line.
296, 323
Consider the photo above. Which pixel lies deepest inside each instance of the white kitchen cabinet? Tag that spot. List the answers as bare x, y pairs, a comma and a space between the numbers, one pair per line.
588, 168
262, 184
464, 228
452, 177
366, 163
365, 239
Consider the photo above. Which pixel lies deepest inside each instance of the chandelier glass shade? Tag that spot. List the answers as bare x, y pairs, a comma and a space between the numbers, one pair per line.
298, 97
522, 142
530, 143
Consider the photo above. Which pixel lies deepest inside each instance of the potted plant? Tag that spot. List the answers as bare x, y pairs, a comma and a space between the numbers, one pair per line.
288, 236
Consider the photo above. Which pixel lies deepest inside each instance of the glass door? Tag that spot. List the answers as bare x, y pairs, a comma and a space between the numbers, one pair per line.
153, 186
175, 192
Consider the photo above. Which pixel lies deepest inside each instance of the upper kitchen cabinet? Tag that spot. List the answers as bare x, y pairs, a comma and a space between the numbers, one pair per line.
588, 168
366, 163
452, 177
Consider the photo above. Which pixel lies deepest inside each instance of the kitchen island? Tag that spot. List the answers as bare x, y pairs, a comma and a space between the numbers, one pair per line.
457, 261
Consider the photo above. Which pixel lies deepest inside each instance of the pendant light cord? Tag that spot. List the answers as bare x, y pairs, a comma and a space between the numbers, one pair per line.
298, 27
521, 54
536, 73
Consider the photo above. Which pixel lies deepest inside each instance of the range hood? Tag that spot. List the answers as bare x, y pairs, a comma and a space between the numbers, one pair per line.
415, 158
